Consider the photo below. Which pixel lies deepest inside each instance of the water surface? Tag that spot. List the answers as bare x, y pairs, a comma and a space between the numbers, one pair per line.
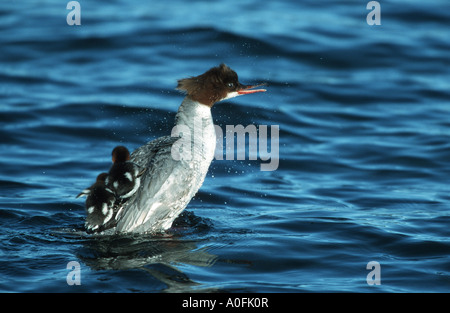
364, 144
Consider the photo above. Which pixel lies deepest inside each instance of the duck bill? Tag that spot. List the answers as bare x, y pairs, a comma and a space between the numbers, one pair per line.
248, 89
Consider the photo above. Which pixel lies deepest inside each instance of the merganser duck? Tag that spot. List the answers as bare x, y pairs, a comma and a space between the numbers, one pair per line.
177, 165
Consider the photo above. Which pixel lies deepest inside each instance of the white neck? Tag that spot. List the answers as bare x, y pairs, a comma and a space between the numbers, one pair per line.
198, 119
189, 110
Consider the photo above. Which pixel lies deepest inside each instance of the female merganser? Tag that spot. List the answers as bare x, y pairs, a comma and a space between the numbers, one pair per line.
100, 208
124, 177
176, 165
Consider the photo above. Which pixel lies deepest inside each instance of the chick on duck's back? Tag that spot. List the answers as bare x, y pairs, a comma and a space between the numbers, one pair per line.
100, 204
124, 176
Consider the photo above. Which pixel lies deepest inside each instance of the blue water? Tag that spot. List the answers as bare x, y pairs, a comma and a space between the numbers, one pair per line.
364, 144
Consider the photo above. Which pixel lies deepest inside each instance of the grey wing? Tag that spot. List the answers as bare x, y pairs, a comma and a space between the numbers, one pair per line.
156, 158
147, 210
144, 155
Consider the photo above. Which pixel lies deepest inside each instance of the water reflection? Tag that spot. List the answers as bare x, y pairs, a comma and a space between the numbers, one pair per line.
157, 255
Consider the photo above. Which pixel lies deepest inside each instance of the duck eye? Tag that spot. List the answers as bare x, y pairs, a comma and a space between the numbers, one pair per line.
230, 85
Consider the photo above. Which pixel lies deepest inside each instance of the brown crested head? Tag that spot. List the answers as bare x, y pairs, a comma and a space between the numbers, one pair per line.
217, 84
120, 154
